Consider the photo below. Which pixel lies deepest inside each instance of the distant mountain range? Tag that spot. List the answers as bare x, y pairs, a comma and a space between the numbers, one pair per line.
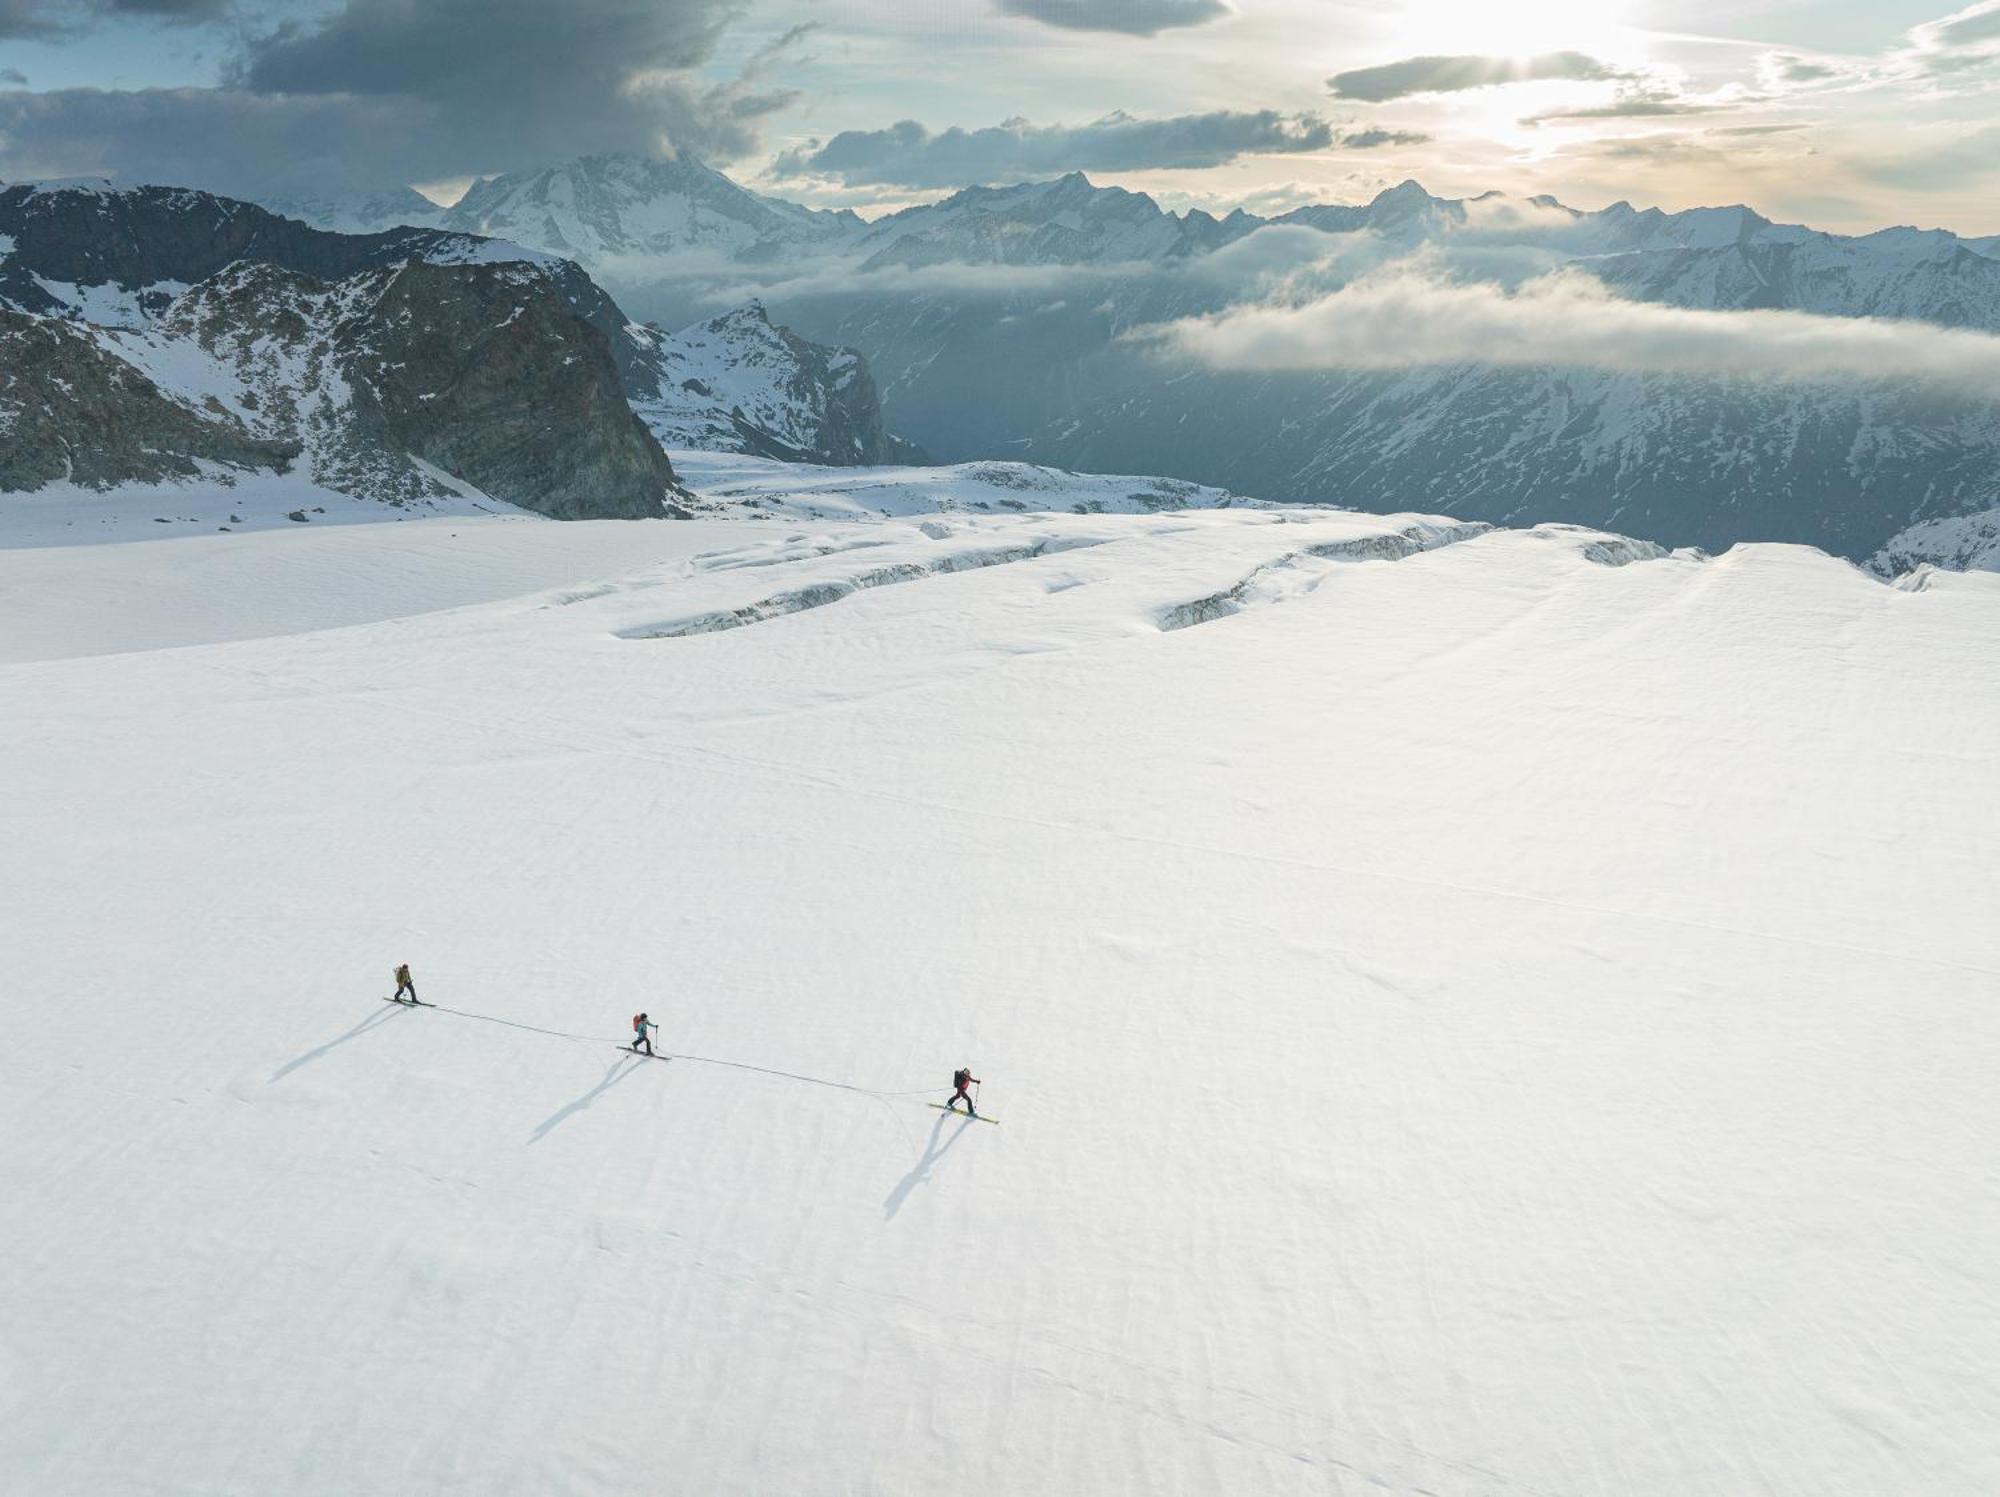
1038, 367
607, 209
594, 210
994, 321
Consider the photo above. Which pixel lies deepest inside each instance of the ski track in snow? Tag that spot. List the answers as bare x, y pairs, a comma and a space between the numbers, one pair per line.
1502, 1020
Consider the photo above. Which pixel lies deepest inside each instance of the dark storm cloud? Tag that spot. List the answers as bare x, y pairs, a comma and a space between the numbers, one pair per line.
908, 155
1447, 75
482, 51
519, 75
1133, 17
44, 19
222, 139
167, 10
21, 20
376, 92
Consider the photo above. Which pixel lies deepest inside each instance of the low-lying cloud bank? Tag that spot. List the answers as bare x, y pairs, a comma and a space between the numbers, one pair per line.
1404, 317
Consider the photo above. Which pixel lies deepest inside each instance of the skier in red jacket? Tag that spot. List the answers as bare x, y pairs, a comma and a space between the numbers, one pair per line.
960, 1080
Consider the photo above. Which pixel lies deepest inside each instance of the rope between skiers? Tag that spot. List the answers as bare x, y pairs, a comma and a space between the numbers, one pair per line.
706, 1060
641, 1045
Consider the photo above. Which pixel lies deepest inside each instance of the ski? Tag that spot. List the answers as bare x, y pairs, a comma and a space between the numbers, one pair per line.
643, 1055
410, 1002
977, 1117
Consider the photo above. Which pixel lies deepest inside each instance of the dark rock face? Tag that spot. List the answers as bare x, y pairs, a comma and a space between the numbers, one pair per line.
384, 366
851, 425
71, 410
280, 303
138, 237
151, 241
466, 382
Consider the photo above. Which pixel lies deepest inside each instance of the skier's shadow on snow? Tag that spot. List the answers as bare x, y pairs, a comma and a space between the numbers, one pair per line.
620, 1069
318, 1050
933, 1152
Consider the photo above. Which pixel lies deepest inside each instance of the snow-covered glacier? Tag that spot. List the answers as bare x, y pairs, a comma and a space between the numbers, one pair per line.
1485, 1011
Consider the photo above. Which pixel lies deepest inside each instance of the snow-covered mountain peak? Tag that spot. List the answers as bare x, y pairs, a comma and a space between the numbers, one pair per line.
1711, 228
52, 186
752, 315
606, 207
1072, 194
1064, 220
358, 212
1405, 196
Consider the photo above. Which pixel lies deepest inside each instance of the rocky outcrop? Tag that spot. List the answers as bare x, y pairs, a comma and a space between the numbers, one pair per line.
468, 383
395, 364
1959, 543
399, 383
119, 255
742, 383
72, 410
142, 245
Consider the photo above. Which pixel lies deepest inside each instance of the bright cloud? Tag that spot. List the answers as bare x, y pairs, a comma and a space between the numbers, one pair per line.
1444, 75
1407, 315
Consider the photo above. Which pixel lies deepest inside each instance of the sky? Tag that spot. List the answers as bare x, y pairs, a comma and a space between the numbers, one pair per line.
1846, 114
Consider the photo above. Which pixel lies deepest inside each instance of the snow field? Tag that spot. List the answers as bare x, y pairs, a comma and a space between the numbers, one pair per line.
1483, 1022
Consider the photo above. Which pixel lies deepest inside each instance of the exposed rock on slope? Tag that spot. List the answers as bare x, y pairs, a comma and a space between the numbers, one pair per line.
133, 259
115, 254
465, 380
740, 383
402, 380
118, 255
73, 410
1962, 543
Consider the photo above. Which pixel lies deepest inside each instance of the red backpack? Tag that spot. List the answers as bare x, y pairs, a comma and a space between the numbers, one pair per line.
638, 1023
